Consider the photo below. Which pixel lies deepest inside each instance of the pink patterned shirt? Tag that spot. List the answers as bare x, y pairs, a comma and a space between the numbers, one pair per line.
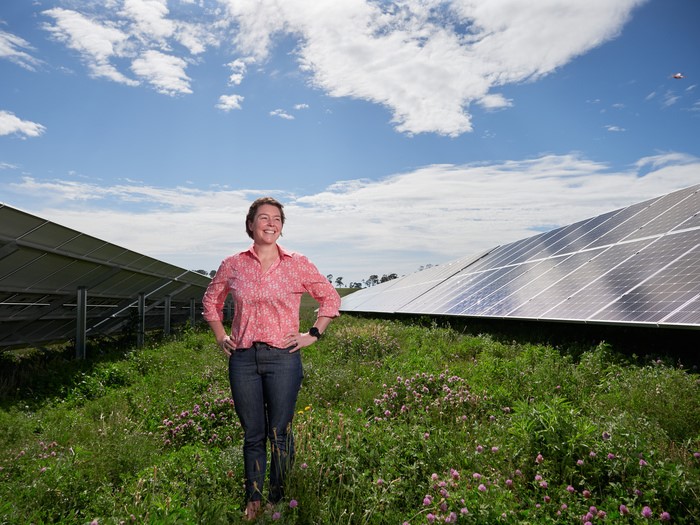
266, 305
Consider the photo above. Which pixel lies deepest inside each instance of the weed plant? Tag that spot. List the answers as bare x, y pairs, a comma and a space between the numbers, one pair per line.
397, 423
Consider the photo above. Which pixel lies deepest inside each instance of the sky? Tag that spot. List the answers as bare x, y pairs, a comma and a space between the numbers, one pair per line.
397, 134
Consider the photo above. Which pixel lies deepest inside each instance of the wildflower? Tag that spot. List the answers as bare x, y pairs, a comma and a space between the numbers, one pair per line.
592, 454
482, 488
434, 476
476, 476
547, 499
665, 516
564, 506
570, 489
624, 510
601, 514
518, 473
509, 483
463, 511
611, 456
293, 504
276, 515
380, 482
543, 484
430, 517
359, 411
479, 449
606, 436
494, 449
642, 463
426, 436
696, 455
538, 478
454, 474
580, 462
539, 459
427, 501
646, 512
304, 466
586, 494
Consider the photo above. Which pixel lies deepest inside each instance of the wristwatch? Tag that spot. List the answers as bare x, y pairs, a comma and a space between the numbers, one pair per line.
314, 331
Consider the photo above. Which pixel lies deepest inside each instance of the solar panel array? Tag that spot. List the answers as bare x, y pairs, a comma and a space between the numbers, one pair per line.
43, 266
638, 265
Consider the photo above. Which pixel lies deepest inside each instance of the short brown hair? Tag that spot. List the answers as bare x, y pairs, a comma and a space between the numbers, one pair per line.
254, 209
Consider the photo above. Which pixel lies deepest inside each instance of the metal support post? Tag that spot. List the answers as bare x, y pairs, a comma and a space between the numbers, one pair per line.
81, 322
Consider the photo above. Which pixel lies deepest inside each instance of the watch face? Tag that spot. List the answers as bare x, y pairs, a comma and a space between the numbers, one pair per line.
314, 331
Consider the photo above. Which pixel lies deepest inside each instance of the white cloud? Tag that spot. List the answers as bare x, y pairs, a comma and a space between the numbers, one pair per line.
612, 128
238, 71
229, 102
299, 107
16, 49
281, 114
11, 124
427, 62
409, 58
165, 72
432, 215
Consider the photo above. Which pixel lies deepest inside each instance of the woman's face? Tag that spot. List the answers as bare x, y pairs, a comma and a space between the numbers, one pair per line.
267, 224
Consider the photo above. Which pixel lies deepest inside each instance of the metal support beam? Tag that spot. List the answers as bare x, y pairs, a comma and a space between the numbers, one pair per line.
192, 313
141, 333
166, 320
81, 322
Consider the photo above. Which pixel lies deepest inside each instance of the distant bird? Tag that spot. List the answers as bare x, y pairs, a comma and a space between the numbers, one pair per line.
679, 75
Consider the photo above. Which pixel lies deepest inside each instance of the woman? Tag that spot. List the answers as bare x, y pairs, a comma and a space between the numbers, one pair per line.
264, 362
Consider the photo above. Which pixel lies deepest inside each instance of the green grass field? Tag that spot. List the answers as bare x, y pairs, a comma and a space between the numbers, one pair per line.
397, 423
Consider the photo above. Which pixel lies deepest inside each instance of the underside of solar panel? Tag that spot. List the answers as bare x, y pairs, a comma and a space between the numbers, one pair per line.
638, 265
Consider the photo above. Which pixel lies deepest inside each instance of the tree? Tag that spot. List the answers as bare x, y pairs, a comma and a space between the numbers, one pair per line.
339, 282
372, 280
330, 278
389, 277
212, 273
355, 285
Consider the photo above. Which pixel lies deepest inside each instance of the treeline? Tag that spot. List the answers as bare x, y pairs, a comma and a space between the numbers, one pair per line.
339, 282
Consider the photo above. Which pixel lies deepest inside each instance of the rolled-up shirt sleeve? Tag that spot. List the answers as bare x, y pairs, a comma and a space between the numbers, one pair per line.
320, 288
215, 295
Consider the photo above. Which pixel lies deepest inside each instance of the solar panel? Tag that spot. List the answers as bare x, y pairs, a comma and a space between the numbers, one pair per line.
43, 264
638, 265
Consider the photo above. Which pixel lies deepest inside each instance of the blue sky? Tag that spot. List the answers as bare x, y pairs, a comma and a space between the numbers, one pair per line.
398, 134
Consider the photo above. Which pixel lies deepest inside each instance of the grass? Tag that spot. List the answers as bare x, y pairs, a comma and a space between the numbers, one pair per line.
397, 423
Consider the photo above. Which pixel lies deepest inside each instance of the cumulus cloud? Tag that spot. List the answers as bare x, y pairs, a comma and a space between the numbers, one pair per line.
229, 102
10, 124
430, 215
428, 63
165, 72
281, 114
17, 50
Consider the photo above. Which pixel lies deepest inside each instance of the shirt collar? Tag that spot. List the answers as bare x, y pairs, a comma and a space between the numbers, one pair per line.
280, 249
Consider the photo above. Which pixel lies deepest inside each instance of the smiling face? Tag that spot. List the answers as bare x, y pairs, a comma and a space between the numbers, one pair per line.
266, 226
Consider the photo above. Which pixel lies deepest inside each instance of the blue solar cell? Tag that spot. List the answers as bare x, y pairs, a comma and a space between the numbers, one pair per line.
638, 265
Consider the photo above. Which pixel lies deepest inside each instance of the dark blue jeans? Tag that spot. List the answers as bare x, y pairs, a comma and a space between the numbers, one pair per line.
265, 382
